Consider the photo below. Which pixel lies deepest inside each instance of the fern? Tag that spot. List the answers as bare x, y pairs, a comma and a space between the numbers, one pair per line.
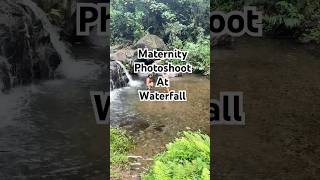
286, 14
187, 158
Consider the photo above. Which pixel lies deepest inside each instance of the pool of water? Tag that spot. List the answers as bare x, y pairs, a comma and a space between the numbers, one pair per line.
49, 130
153, 124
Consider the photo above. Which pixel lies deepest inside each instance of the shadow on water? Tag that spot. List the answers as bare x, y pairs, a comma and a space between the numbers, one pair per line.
280, 82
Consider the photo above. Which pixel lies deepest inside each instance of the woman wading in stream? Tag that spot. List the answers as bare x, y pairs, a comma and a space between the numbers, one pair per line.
150, 82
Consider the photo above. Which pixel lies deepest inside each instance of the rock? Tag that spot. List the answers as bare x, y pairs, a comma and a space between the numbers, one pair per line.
135, 166
25, 44
158, 127
134, 158
125, 54
118, 77
152, 42
135, 125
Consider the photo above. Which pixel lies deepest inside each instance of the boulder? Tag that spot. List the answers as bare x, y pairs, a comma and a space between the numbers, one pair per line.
125, 54
118, 77
152, 42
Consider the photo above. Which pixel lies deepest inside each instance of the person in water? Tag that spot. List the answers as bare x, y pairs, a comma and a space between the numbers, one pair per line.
149, 82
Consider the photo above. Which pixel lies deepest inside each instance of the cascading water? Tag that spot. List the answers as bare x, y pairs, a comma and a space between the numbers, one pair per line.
54, 37
69, 67
125, 71
120, 76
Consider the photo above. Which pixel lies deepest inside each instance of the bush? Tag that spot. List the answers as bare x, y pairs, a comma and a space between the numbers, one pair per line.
199, 55
187, 158
312, 35
286, 16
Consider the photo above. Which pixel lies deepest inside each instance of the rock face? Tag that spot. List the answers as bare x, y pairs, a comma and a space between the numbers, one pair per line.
25, 47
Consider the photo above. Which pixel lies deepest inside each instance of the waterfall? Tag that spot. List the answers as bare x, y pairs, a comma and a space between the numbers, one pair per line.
120, 76
54, 36
132, 83
125, 71
69, 67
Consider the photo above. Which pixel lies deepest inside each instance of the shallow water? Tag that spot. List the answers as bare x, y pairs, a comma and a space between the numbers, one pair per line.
153, 124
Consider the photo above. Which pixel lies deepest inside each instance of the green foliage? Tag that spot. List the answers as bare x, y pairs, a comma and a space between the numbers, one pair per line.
181, 20
285, 14
290, 17
187, 158
199, 55
120, 144
312, 35
126, 21
182, 24
226, 5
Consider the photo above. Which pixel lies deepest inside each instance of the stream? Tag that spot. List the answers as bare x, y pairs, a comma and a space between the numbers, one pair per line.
154, 124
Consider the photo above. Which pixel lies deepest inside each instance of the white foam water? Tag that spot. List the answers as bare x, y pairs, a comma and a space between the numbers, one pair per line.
132, 82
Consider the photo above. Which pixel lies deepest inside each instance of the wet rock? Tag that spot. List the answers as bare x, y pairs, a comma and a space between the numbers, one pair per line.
25, 44
118, 77
158, 127
135, 125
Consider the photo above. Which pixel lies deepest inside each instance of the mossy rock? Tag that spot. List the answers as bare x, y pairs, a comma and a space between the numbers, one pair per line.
152, 42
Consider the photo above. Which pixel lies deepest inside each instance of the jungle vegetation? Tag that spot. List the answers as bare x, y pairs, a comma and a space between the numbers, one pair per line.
182, 24
298, 19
